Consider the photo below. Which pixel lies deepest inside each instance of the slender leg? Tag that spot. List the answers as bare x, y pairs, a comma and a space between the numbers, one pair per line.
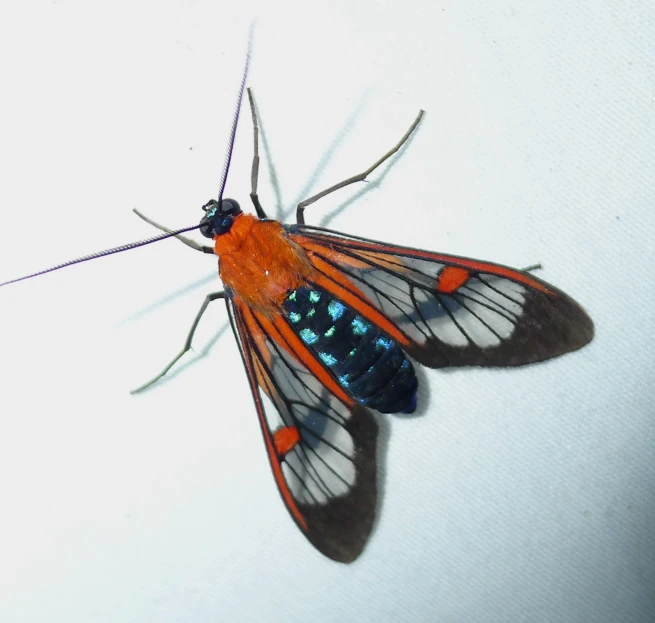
187, 241
532, 267
187, 344
255, 160
300, 218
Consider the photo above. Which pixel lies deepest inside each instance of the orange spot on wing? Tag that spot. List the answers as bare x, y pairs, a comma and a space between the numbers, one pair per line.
285, 439
451, 278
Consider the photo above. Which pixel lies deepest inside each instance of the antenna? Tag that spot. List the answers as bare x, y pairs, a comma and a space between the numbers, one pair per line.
235, 119
171, 234
94, 256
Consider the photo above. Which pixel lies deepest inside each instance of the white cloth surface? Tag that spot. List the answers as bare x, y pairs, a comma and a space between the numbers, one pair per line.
515, 495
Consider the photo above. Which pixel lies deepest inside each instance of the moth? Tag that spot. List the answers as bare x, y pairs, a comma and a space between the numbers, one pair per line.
330, 328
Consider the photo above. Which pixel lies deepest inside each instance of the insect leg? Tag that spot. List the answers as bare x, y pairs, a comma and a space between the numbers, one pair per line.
187, 241
255, 160
300, 218
187, 344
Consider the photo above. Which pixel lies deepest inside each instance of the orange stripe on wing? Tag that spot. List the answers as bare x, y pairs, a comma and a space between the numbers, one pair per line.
501, 271
340, 286
286, 338
256, 377
382, 252
318, 247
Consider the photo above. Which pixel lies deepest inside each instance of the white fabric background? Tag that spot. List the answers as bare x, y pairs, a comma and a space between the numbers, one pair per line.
516, 495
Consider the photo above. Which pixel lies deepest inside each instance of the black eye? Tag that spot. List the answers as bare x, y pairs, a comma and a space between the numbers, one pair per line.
206, 227
219, 217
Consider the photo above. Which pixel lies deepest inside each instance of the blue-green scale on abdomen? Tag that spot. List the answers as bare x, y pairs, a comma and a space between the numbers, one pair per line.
365, 361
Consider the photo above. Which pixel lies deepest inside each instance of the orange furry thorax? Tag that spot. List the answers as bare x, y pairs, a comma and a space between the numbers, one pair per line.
259, 263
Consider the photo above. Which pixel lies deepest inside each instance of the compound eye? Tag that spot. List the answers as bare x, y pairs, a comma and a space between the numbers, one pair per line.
206, 227
230, 206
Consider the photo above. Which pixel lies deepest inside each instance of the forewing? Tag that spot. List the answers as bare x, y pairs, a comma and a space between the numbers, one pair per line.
320, 443
448, 310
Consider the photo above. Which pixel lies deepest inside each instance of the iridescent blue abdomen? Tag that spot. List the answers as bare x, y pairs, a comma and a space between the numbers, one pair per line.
365, 361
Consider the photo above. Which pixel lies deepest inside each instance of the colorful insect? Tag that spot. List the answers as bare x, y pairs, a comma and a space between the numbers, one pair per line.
329, 326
